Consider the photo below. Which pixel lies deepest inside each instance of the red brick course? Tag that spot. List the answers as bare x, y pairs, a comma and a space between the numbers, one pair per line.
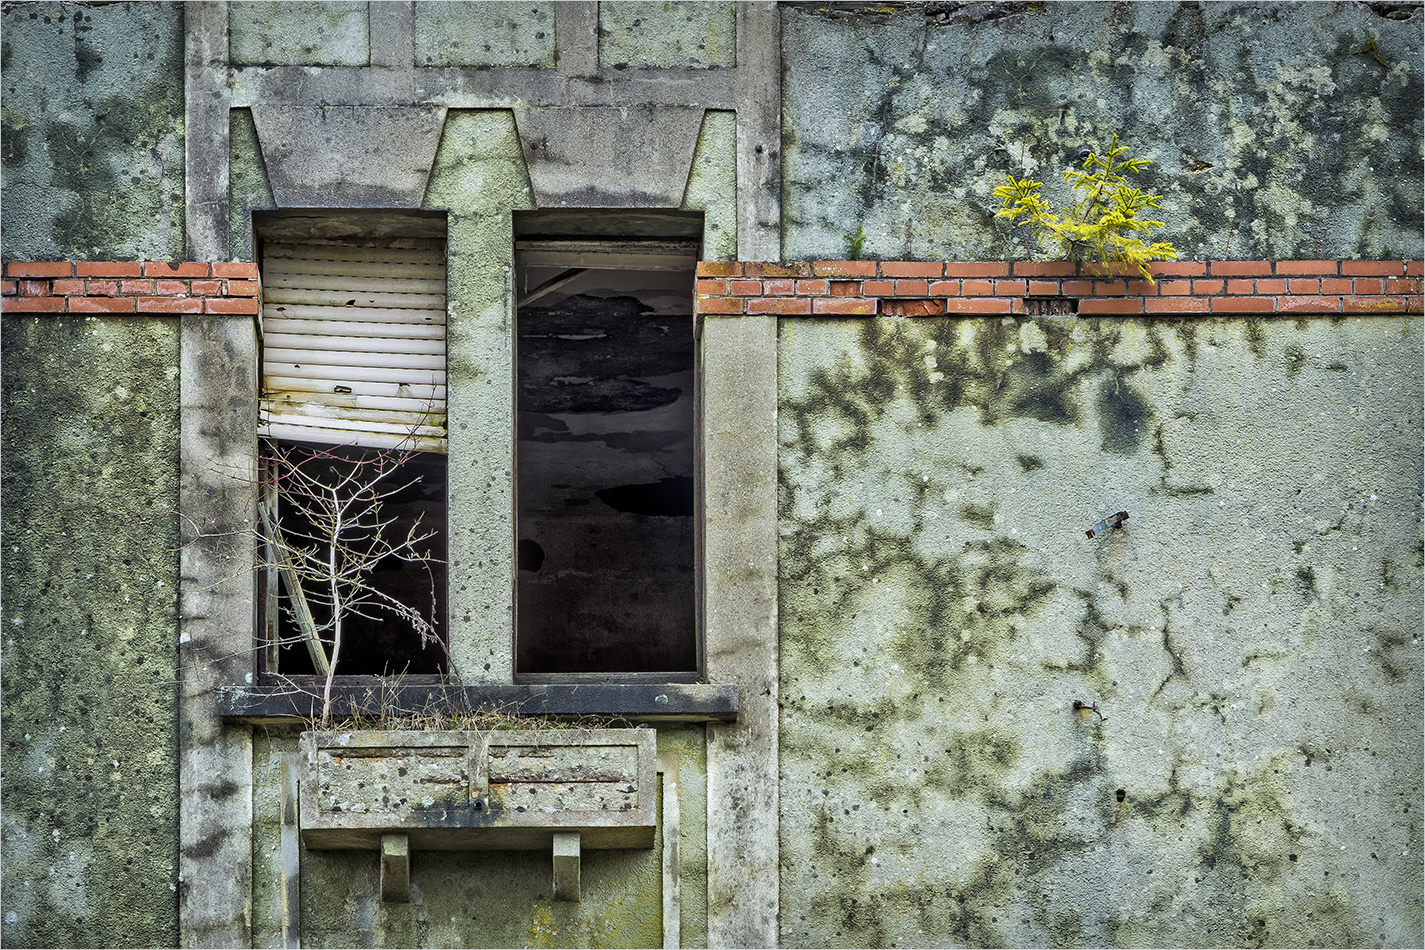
1187, 288
126, 287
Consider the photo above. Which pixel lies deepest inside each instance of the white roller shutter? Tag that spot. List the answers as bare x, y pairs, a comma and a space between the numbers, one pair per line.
353, 344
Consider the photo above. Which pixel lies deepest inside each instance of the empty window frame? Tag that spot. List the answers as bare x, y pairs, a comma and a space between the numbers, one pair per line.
352, 415
606, 452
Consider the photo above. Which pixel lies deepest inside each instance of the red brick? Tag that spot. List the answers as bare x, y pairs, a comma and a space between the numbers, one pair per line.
64, 287
1111, 305
1368, 285
772, 269
230, 305
1177, 269
1143, 288
912, 288
1078, 288
878, 288
745, 288
33, 304
707, 287
815, 288
101, 305
1376, 304
1011, 288
8, 287
1102, 288
843, 268
969, 287
177, 269
1044, 288
1317, 268
846, 288
1244, 304
1370, 268
206, 288
1278, 285
1241, 268
108, 269
172, 288
243, 288
1308, 305
105, 288
1045, 269
721, 304
1207, 287
990, 269
39, 269
36, 288
1415, 268
1403, 285
1336, 285
170, 304
779, 288
858, 306
136, 286
948, 287
241, 270
705, 269
912, 269
913, 307
979, 305
1416, 304
779, 305
1176, 304
1240, 286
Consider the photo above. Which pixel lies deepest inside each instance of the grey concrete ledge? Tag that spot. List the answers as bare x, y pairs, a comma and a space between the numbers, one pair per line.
368, 696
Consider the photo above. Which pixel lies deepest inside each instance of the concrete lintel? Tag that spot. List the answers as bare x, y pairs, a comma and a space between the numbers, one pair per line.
566, 866
396, 868
386, 154
598, 157
472, 87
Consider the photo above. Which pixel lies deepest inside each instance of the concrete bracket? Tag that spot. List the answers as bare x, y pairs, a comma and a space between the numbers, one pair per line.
396, 868
566, 866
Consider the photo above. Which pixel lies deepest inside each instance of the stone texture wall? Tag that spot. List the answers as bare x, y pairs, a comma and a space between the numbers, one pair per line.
1276, 131
90, 581
1200, 728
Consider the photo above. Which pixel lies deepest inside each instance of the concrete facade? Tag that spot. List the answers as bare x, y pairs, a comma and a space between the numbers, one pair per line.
895, 575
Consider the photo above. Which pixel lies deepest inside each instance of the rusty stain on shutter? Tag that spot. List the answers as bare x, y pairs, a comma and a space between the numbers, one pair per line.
353, 344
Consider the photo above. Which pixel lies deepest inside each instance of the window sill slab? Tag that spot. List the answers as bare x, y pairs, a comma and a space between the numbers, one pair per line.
369, 697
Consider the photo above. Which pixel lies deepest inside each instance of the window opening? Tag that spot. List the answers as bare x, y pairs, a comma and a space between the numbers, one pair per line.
353, 493
606, 527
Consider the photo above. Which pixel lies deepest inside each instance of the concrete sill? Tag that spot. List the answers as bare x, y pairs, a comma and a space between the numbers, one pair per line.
295, 699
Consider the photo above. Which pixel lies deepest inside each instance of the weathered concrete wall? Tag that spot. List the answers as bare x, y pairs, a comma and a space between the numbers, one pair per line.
90, 631
93, 146
1276, 130
1252, 640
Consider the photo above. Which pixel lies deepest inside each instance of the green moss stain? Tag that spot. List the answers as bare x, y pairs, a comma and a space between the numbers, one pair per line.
1124, 417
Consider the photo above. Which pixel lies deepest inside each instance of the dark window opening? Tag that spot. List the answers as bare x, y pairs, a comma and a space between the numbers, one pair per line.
606, 527
388, 497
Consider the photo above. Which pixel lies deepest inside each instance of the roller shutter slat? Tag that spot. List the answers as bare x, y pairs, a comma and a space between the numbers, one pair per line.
354, 345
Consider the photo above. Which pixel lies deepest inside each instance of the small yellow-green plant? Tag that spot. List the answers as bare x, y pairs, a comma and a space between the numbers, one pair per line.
1101, 227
